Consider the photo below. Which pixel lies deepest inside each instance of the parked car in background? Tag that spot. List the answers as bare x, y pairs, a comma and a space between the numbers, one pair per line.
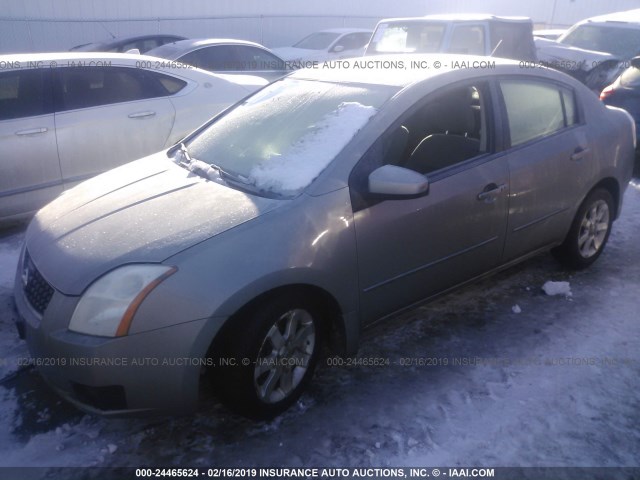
595, 50
549, 33
224, 56
332, 44
326, 201
93, 112
142, 43
490, 35
625, 92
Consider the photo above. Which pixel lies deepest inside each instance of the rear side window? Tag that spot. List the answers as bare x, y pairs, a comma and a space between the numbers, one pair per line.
216, 58
22, 94
170, 84
536, 109
84, 87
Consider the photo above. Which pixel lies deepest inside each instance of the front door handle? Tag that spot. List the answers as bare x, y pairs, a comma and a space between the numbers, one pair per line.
491, 192
579, 153
142, 114
32, 131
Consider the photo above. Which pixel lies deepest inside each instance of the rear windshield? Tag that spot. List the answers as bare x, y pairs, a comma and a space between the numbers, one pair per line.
407, 37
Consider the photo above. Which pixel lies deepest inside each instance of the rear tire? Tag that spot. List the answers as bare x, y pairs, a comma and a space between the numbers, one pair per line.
589, 231
276, 348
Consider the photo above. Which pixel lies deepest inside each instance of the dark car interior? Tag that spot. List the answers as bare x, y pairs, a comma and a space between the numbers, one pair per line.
444, 132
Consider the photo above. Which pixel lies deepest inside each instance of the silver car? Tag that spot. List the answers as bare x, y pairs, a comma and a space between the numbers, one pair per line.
323, 203
228, 56
65, 117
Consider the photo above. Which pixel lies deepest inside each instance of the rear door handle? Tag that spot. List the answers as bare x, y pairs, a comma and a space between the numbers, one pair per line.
142, 114
32, 131
579, 153
490, 192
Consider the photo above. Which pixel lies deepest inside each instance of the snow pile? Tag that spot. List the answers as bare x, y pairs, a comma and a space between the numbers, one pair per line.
8, 263
516, 308
557, 288
291, 172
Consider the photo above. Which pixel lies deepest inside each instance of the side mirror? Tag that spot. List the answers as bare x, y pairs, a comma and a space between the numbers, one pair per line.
397, 181
338, 49
635, 62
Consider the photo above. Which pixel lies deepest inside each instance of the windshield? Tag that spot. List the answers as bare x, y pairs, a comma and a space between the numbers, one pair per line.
407, 37
619, 41
280, 139
317, 41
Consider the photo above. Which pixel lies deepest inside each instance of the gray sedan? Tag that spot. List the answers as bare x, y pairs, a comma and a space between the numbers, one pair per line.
323, 203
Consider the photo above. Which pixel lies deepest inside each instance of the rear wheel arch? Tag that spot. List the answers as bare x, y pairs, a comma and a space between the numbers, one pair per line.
611, 185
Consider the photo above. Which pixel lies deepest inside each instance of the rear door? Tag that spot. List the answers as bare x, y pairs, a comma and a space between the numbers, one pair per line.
550, 161
108, 116
29, 168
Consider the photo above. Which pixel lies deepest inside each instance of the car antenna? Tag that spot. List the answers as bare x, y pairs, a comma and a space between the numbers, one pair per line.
496, 48
107, 30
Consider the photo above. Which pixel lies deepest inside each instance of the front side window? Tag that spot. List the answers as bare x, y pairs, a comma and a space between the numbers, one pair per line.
280, 139
536, 109
352, 41
22, 94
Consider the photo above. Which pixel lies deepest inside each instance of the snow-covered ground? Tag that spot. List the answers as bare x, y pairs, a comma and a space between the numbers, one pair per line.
553, 382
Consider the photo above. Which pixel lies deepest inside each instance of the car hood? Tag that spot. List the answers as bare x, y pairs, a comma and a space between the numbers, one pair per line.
579, 58
145, 211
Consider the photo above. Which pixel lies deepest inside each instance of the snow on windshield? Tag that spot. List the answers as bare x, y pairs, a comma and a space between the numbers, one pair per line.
304, 161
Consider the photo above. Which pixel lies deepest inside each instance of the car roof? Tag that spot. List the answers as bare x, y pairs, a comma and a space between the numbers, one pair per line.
175, 50
25, 58
190, 43
626, 17
460, 17
386, 68
110, 42
345, 30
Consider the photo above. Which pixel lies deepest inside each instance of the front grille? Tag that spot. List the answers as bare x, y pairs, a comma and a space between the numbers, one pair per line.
36, 289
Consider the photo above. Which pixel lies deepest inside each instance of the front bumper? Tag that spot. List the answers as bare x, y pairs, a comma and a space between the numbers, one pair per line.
156, 371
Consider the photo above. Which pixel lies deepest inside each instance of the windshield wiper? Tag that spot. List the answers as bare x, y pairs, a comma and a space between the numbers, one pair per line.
210, 171
185, 159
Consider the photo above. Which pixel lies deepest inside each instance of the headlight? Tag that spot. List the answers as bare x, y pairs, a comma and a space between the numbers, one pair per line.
108, 306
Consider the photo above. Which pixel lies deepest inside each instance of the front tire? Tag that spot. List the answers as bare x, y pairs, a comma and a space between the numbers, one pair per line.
589, 231
275, 348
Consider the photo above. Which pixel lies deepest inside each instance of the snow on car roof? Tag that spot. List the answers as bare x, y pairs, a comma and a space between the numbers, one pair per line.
393, 70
